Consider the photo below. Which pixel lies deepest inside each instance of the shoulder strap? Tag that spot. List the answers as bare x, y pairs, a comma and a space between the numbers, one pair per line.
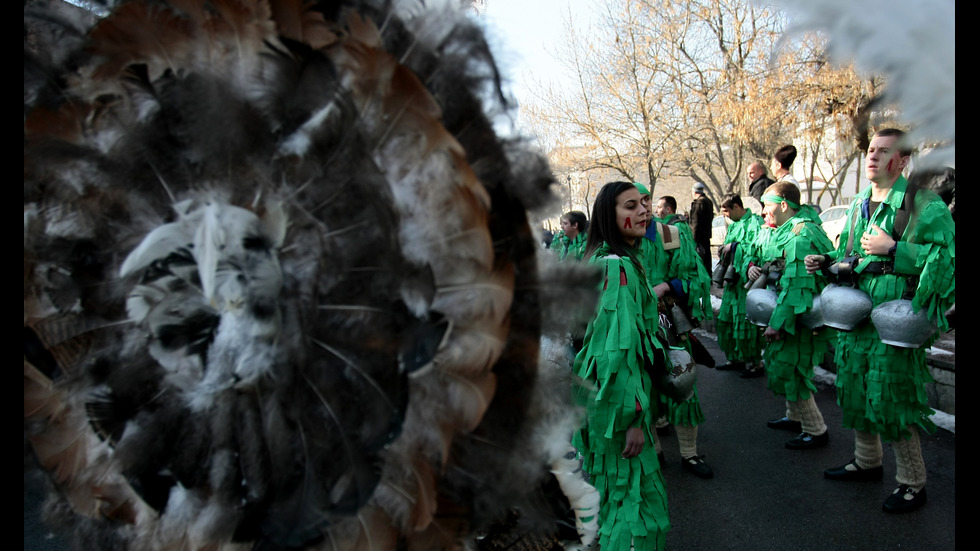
850, 232
902, 214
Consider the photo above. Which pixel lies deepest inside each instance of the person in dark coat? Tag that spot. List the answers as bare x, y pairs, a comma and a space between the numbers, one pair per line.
759, 179
702, 213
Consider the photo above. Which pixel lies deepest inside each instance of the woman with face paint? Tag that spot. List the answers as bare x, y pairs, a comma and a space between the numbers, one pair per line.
616, 441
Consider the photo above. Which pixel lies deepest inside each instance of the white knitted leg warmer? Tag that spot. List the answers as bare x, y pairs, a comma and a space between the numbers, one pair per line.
910, 468
867, 449
810, 417
792, 411
687, 440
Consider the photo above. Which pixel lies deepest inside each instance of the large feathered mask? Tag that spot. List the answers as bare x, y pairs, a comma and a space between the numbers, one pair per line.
280, 288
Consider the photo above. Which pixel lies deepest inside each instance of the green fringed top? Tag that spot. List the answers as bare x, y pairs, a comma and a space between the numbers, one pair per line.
682, 264
743, 231
927, 249
618, 342
569, 248
794, 240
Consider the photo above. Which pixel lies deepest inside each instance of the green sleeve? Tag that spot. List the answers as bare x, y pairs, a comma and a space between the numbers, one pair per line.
928, 249
686, 266
799, 287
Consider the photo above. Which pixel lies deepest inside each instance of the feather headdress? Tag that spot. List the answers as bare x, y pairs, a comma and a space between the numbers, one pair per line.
280, 287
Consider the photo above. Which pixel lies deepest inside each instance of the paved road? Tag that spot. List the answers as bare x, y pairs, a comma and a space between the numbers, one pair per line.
763, 497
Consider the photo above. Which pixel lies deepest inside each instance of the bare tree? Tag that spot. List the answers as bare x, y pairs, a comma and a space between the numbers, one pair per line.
696, 89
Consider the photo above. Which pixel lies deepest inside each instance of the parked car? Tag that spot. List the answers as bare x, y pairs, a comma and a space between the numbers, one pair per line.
833, 222
719, 229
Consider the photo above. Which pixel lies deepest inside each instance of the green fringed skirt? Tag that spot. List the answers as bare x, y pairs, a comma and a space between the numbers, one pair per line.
790, 361
632, 495
881, 388
738, 338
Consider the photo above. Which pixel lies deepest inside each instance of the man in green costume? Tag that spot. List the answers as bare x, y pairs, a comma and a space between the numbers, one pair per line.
793, 348
570, 241
738, 338
676, 274
880, 387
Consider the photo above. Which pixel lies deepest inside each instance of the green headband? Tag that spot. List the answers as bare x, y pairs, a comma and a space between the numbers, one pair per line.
771, 198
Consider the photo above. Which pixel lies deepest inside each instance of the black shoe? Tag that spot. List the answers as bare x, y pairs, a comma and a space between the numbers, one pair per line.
807, 441
785, 424
851, 472
904, 500
697, 466
731, 366
752, 373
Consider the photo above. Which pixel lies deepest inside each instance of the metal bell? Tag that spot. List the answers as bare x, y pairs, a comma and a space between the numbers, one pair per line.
682, 324
813, 318
682, 375
844, 308
759, 305
898, 325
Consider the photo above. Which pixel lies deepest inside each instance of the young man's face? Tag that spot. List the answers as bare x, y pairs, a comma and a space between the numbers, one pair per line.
568, 228
775, 166
884, 162
662, 210
735, 213
776, 214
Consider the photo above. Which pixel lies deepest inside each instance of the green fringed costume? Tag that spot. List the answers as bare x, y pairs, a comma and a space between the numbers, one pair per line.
790, 360
682, 268
566, 247
618, 343
881, 388
739, 339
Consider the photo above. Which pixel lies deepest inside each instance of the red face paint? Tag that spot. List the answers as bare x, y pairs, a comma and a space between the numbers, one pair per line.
628, 224
890, 165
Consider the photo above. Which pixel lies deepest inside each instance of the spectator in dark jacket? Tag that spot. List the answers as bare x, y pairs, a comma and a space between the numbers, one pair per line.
758, 179
702, 213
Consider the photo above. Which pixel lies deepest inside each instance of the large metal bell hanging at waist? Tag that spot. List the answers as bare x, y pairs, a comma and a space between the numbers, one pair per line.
682, 375
759, 305
813, 318
844, 308
898, 325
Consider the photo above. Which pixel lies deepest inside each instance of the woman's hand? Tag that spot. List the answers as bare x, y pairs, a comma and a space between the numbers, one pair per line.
634, 442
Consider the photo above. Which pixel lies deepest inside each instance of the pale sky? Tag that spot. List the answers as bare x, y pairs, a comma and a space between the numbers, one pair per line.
524, 35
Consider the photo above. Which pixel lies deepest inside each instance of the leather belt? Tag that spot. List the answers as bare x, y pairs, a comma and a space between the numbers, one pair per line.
878, 267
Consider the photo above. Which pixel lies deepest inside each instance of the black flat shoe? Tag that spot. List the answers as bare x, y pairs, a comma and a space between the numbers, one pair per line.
731, 366
753, 373
785, 424
697, 466
904, 500
851, 472
807, 441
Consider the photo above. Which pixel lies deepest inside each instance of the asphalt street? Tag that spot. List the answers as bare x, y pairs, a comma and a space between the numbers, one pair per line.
763, 497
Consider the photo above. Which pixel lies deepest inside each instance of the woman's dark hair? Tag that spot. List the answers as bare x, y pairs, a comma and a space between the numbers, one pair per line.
603, 227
